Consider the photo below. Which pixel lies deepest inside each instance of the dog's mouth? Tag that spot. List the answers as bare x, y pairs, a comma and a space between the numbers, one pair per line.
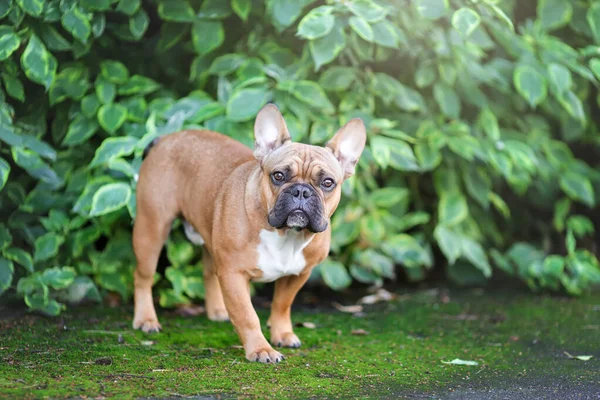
294, 211
297, 220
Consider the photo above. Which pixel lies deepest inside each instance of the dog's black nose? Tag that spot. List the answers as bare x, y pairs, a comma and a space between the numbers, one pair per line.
301, 192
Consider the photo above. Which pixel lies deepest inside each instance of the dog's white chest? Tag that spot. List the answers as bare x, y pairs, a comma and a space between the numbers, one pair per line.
281, 255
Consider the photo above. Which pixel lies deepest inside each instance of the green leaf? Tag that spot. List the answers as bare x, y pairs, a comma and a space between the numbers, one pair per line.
285, 12
375, 261
380, 149
13, 87
573, 105
90, 105
138, 23
465, 20
530, 84
96, 5
53, 39
402, 157
21, 257
5, 237
7, 270
337, 78
123, 166
214, 9
326, 49
364, 275
432, 9
385, 34
577, 187
207, 36
335, 275
111, 117
138, 84
4, 172
47, 246
112, 148
406, 250
593, 18
489, 123
9, 42
310, 93
31, 7
5, 7
38, 64
449, 242
58, 278
317, 23
408, 99
362, 28
479, 185
226, 64
242, 8
244, 104
76, 23
110, 198
80, 130
447, 99
560, 78
128, 7
554, 266
473, 252
388, 197
113, 281
105, 91
425, 76
452, 208
554, 14
366, 9
428, 155
35, 166
176, 11
169, 298
170, 34
595, 67
561, 210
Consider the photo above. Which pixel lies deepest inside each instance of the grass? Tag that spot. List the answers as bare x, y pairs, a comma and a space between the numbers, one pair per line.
517, 339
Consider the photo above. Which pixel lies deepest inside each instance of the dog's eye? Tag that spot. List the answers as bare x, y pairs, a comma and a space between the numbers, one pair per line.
328, 183
278, 177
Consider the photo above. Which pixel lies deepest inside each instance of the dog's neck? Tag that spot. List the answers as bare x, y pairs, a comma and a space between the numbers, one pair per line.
254, 201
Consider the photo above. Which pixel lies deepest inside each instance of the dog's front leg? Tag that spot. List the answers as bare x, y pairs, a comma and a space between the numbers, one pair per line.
244, 319
280, 321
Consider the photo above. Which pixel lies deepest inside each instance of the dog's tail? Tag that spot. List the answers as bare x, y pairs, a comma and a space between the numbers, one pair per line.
149, 147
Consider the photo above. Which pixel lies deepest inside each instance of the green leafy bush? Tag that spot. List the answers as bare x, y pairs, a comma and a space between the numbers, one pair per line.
482, 117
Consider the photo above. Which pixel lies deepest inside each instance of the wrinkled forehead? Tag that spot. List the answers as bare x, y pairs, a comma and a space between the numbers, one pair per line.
303, 160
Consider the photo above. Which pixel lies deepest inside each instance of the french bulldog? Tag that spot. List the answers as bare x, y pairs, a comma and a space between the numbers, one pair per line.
261, 215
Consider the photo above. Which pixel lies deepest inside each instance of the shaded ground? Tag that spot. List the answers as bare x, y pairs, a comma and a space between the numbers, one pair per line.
518, 339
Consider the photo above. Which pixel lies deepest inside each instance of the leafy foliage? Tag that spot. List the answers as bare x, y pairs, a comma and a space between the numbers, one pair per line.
483, 138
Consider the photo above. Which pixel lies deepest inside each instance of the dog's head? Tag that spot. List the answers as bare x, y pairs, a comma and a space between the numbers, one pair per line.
301, 184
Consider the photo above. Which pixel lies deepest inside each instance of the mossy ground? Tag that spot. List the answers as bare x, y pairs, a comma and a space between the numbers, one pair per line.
517, 338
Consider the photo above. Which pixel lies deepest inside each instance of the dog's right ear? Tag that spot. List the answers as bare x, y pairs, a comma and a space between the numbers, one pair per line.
270, 131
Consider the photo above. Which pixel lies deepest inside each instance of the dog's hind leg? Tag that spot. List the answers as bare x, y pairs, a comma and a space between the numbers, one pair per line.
150, 232
215, 306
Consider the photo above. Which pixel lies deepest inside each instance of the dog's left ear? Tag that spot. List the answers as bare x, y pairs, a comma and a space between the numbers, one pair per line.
348, 144
270, 131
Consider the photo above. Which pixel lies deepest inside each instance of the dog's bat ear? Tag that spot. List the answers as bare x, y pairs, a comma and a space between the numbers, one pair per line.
270, 131
347, 145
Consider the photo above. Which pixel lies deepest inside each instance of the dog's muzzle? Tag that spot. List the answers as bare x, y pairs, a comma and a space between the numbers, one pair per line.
298, 207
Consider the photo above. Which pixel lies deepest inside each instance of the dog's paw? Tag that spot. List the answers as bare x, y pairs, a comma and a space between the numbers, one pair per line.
265, 355
287, 339
147, 325
219, 314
